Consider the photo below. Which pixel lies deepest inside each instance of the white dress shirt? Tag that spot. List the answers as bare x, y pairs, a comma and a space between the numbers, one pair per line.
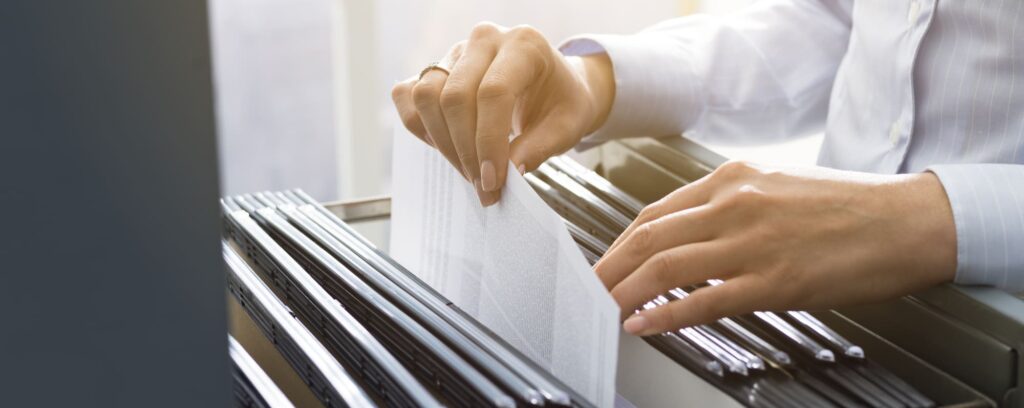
897, 85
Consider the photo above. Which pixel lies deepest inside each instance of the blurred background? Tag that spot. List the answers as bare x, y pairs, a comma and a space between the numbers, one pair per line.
303, 86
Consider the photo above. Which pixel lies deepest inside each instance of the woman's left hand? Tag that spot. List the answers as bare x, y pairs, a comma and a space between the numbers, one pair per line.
781, 239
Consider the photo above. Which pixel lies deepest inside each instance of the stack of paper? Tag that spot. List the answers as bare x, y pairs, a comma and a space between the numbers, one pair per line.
513, 266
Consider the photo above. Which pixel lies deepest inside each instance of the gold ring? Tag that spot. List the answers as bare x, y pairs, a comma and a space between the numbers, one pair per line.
434, 65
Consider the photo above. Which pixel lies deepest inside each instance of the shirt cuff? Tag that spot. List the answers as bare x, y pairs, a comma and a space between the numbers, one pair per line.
988, 210
657, 91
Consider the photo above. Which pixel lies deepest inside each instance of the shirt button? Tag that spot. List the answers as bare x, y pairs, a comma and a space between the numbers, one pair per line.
895, 133
915, 10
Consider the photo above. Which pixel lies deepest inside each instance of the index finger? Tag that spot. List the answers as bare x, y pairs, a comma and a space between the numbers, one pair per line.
691, 195
736, 296
516, 66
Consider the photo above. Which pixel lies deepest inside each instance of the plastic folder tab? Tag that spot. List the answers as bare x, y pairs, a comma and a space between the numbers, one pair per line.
512, 266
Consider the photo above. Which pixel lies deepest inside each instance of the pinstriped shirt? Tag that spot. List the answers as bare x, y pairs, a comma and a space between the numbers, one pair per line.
896, 85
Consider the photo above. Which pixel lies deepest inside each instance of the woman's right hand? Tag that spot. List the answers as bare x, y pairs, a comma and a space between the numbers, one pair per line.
503, 82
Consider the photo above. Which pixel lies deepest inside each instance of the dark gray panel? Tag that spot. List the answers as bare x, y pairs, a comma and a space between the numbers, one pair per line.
111, 285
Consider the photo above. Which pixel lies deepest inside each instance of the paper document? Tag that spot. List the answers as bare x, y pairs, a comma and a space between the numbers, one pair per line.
513, 266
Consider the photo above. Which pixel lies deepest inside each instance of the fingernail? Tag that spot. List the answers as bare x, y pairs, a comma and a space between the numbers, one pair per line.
489, 180
487, 199
635, 324
522, 169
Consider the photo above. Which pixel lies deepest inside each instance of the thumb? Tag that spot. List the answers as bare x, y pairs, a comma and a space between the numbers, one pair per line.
552, 135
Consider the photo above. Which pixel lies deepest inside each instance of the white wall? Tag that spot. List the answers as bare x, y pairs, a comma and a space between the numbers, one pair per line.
303, 86
411, 34
275, 106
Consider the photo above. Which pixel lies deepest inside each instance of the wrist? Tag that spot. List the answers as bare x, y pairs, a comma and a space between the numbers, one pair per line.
596, 73
929, 219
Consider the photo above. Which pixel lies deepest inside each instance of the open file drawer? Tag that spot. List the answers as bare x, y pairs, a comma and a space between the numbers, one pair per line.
957, 344
646, 377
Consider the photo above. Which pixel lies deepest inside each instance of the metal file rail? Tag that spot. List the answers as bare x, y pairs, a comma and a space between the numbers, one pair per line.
365, 316
786, 359
328, 380
418, 298
501, 377
252, 387
374, 288
482, 348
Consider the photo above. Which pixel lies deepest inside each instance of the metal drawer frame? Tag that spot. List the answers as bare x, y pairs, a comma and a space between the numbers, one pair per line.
974, 335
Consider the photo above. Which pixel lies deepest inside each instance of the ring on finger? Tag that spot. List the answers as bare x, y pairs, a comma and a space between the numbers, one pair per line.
438, 65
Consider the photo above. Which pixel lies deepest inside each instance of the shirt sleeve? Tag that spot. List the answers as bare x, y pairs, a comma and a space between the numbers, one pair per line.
762, 74
988, 210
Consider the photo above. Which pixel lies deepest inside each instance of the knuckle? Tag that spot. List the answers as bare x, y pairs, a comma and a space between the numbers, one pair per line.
485, 29
732, 169
527, 33
454, 98
533, 46
663, 265
492, 89
745, 197
467, 159
458, 48
425, 93
490, 137
642, 239
466, 153
749, 193
649, 213
538, 54
400, 89
674, 318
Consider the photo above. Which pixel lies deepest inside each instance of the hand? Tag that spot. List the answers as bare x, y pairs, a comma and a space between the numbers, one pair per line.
782, 239
505, 81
